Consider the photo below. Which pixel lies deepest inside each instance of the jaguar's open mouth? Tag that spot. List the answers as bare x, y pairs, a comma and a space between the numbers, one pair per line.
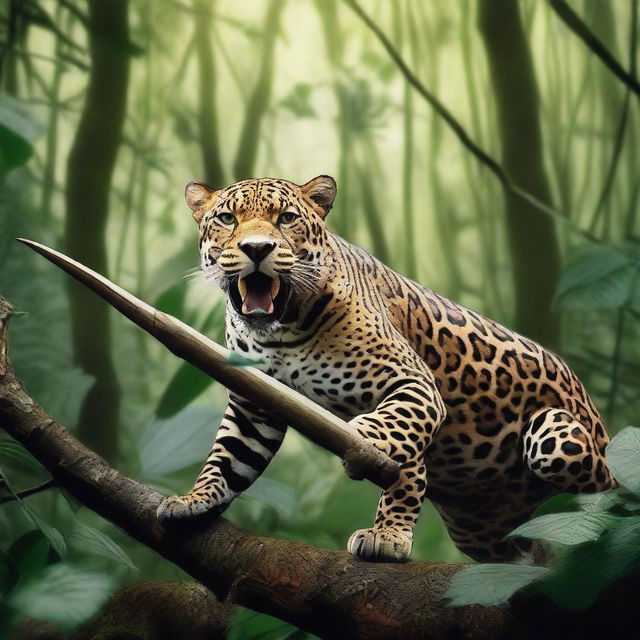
259, 295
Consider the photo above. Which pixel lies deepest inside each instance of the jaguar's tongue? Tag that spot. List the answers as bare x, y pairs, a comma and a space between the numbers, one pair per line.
258, 291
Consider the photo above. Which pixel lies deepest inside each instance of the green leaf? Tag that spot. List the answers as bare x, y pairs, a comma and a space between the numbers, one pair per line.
597, 277
19, 129
188, 382
623, 456
589, 568
30, 552
185, 386
238, 360
95, 541
63, 396
599, 502
64, 595
178, 442
273, 493
172, 300
491, 584
560, 503
11, 450
9, 573
53, 535
566, 528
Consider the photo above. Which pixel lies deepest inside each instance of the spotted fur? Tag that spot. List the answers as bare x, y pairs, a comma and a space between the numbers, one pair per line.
484, 422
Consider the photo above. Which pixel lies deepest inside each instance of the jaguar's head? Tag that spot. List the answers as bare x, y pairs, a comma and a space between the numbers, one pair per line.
263, 241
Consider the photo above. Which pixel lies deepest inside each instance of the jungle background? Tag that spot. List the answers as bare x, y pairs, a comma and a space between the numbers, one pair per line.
107, 110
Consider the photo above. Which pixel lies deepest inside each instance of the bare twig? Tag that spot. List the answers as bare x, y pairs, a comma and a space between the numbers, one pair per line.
362, 459
575, 23
488, 161
47, 484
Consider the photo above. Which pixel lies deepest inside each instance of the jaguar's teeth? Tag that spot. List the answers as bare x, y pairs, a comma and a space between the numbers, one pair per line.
275, 287
242, 288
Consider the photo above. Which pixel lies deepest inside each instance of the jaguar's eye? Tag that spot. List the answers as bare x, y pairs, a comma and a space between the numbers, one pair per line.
227, 218
287, 217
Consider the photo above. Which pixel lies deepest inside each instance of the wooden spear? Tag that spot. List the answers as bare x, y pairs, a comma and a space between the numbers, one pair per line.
361, 458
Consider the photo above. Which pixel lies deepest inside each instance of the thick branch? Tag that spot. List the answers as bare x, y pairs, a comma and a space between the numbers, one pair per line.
329, 593
362, 459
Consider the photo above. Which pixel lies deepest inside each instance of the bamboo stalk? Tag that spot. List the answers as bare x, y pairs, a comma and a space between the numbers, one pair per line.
361, 458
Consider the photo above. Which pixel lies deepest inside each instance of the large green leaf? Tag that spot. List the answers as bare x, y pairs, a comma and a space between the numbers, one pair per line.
64, 395
589, 568
30, 552
178, 442
567, 528
597, 277
491, 584
188, 382
19, 129
52, 534
95, 541
184, 387
63, 595
623, 456
273, 493
11, 450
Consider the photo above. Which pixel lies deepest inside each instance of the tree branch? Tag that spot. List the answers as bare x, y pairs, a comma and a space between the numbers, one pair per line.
329, 593
361, 458
573, 21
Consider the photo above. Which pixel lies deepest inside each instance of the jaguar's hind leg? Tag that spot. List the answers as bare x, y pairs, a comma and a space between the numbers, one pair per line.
559, 449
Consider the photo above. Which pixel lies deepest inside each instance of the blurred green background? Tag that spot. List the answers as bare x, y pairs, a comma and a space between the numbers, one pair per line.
107, 110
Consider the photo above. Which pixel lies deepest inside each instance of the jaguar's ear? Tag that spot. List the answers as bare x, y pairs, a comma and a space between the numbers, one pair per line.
199, 196
322, 191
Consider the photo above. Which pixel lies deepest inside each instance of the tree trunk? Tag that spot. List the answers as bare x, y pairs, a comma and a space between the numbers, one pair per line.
260, 97
207, 114
532, 237
90, 167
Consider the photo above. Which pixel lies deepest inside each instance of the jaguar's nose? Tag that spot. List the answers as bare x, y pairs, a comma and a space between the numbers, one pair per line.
257, 251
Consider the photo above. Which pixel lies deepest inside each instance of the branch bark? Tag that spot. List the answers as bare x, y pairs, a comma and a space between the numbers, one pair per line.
329, 593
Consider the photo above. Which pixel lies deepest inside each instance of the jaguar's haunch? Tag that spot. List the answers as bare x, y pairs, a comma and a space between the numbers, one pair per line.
485, 423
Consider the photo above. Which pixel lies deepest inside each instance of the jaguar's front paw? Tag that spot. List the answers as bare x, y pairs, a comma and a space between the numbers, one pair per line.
181, 507
381, 544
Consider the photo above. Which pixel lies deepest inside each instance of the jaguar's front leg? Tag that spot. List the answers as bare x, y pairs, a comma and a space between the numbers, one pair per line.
246, 441
402, 426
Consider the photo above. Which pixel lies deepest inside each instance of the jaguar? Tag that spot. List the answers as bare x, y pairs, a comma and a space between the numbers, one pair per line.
482, 421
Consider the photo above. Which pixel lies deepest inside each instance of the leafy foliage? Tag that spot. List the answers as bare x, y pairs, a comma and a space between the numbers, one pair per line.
491, 584
19, 130
94, 541
596, 544
63, 595
178, 442
598, 276
623, 454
